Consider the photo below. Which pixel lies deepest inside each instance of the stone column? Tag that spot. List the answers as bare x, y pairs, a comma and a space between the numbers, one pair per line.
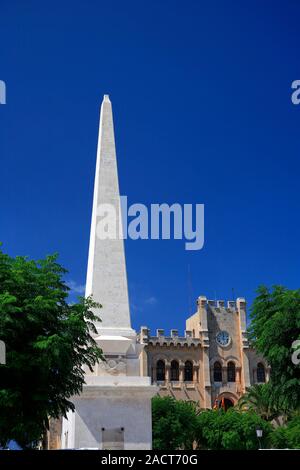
195, 373
154, 374
181, 372
168, 373
224, 376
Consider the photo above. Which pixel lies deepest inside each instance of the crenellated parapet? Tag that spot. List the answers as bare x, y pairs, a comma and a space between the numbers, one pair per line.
173, 339
217, 306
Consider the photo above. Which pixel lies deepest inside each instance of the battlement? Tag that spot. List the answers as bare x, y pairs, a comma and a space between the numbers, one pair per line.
162, 339
191, 336
218, 305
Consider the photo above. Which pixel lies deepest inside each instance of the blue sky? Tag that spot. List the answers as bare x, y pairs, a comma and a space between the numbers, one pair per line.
201, 98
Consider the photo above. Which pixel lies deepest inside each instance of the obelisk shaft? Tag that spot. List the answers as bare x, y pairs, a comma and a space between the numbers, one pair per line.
106, 273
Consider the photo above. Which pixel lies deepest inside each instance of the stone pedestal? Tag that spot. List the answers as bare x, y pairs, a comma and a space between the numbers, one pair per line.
111, 406
114, 409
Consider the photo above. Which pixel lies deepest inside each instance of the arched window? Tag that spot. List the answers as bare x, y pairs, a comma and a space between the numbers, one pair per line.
174, 371
160, 370
188, 371
261, 375
217, 372
231, 372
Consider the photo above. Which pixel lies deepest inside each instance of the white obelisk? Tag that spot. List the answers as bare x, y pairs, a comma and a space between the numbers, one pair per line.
114, 409
106, 274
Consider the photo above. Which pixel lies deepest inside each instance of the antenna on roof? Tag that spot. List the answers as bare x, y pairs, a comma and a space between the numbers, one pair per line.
190, 289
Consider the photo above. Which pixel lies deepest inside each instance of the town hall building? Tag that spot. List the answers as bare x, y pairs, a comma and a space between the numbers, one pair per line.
212, 364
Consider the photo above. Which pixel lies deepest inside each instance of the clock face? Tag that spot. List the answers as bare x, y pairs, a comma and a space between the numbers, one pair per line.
223, 338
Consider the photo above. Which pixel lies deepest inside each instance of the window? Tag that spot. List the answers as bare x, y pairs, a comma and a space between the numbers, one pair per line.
174, 371
261, 375
230, 372
188, 371
160, 370
217, 372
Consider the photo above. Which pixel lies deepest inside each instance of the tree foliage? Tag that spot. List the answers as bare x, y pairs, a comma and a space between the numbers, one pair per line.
288, 436
174, 423
48, 341
260, 399
219, 430
275, 326
181, 425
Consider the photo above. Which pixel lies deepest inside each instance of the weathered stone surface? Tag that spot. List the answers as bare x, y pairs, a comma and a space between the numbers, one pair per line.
106, 273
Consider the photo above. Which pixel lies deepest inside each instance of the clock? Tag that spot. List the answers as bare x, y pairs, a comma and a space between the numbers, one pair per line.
223, 338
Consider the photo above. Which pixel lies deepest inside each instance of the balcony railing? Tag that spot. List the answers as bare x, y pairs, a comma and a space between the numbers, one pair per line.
175, 384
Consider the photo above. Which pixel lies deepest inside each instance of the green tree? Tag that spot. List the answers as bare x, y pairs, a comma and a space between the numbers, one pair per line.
259, 398
275, 326
173, 423
287, 436
48, 341
219, 430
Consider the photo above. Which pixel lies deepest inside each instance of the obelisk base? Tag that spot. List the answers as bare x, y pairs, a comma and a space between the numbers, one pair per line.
111, 413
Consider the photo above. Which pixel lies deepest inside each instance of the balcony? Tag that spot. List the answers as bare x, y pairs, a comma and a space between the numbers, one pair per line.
221, 387
175, 384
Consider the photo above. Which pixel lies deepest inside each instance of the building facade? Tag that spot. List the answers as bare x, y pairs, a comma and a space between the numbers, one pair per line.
212, 363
